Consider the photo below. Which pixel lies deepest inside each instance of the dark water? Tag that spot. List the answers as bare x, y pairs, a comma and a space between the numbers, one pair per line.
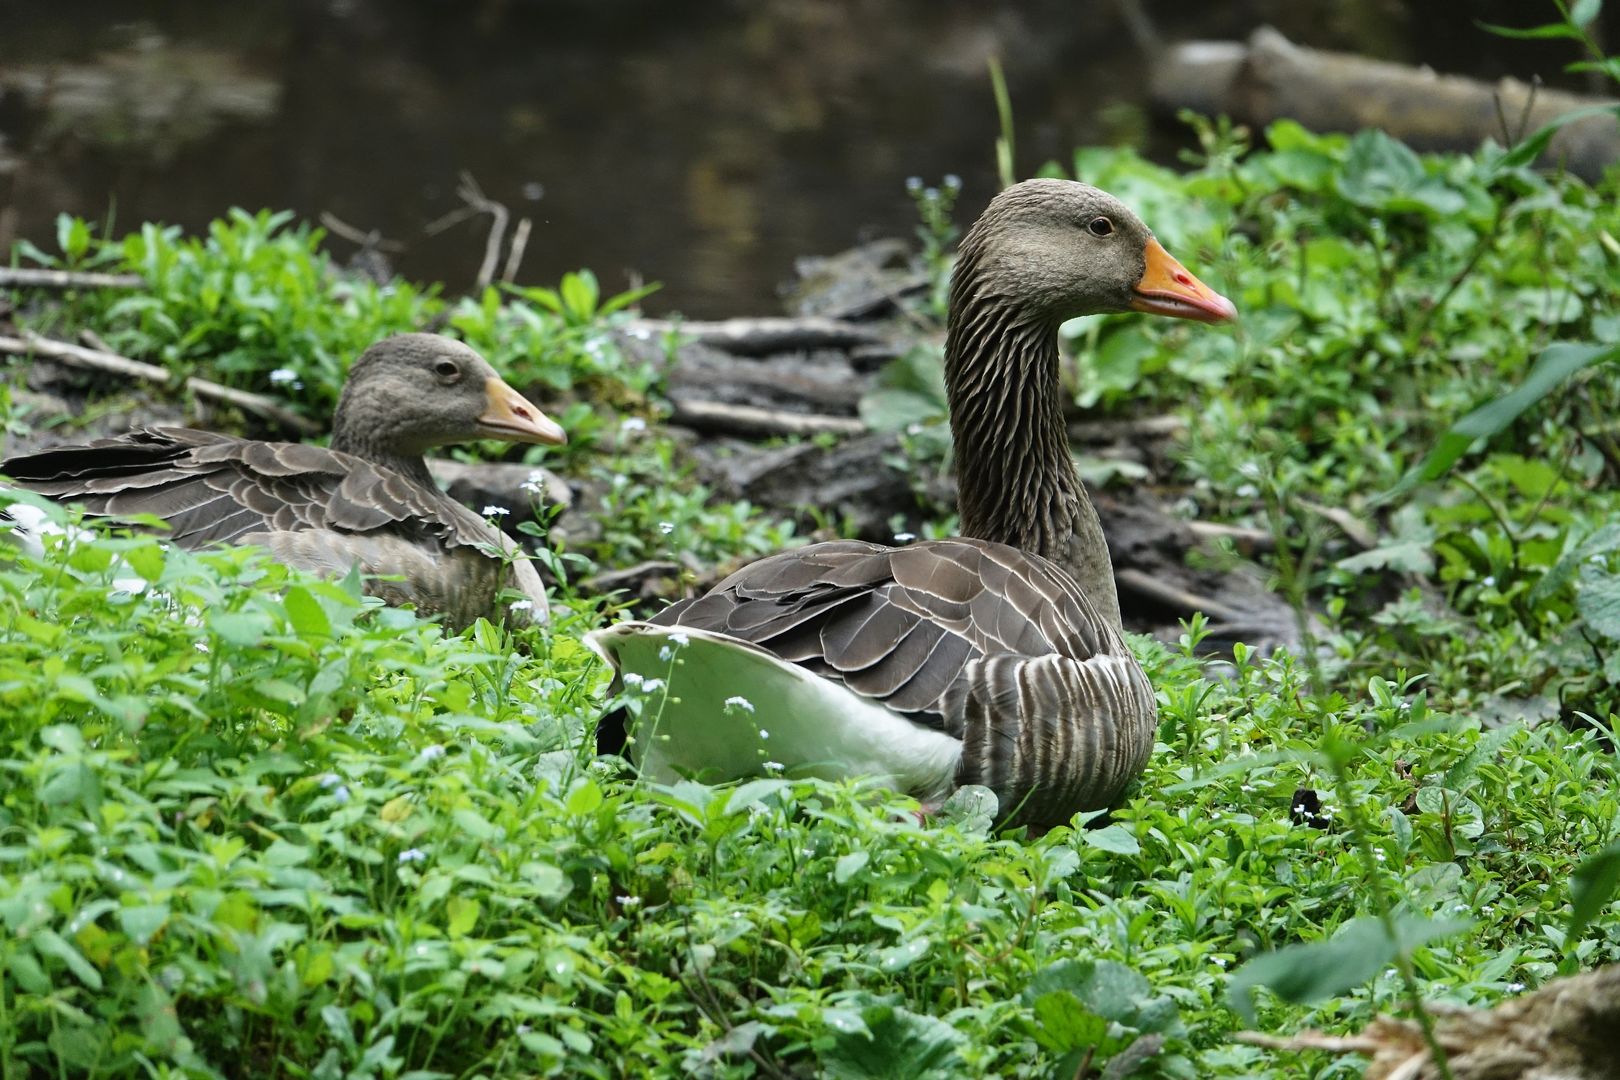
704, 145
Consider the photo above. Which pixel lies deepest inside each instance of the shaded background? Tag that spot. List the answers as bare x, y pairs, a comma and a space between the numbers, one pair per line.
703, 145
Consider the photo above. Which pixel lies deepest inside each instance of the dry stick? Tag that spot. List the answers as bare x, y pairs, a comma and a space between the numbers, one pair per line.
28, 278
754, 421
1146, 585
514, 255
31, 344
368, 241
1141, 427
1243, 535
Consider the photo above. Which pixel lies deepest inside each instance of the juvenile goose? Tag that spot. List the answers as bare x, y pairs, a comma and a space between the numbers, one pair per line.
368, 501
994, 659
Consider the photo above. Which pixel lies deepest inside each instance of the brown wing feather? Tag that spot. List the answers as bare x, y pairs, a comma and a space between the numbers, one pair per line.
900, 625
316, 508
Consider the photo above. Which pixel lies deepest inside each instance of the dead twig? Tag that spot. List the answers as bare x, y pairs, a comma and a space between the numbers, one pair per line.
755, 422
629, 577
514, 254
31, 278
1148, 587
1247, 539
63, 352
368, 241
475, 202
1139, 428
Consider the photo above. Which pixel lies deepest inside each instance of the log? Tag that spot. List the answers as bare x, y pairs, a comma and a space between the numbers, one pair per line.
1270, 78
756, 422
31, 344
1565, 1030
30, 278
763, 336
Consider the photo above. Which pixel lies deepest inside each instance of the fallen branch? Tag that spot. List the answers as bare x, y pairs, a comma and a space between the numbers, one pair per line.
29, 278
31, 344
755, 422
1142, 427
474, 202
1564, 1030
1148, 587
629, 577
1248, 540
763, 336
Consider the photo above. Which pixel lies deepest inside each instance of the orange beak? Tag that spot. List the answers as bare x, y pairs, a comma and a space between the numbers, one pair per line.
1167, 288
510, 416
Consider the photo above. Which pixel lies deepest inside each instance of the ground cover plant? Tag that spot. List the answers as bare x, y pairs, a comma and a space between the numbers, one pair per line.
252, 823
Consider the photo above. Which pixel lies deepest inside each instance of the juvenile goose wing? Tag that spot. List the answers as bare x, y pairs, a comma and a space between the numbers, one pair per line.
317, 509
984, 643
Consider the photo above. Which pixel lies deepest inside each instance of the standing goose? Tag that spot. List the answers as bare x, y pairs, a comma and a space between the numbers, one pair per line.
994, 659
368, 501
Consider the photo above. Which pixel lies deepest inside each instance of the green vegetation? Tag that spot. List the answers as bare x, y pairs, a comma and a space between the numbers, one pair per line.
252, 823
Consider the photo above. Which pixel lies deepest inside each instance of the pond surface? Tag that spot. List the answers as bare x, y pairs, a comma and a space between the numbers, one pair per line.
702, 145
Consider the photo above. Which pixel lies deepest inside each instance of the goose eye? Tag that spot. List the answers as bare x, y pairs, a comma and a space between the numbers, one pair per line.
1100, 226
447, 370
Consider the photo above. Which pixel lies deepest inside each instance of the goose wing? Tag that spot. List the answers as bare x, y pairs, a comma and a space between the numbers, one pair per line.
983, 642
319, 509
217, 489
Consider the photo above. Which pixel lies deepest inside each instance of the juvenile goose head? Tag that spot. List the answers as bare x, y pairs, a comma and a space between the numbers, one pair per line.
412, 392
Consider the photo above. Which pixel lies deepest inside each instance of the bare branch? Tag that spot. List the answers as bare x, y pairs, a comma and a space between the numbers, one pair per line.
31, 344
753, 421
30, 278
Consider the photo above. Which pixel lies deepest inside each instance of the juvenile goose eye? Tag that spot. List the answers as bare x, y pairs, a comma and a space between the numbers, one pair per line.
1100, 226
447, 370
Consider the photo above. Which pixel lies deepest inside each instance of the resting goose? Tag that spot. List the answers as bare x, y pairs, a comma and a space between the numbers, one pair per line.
995, 659
368, 501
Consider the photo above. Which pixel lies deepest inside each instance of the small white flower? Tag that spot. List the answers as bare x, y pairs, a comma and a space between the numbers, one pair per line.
1220, 961
521, 605
666, 527
652, 686
904, 537
341, 794
773, 766
431, 752
414, 854
496, 511
632, 423
1246, 787
628, 901
679, 638
631, 678
202, 646
1489, 582
764, 734
1514, 988
737, 701
331, 779
665, 653
283, 375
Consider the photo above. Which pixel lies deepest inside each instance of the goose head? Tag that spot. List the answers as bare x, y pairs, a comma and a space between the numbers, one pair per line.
412, 392
1056, 249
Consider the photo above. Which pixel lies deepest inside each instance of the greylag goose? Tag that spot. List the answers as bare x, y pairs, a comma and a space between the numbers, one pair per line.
368, 501
995, 659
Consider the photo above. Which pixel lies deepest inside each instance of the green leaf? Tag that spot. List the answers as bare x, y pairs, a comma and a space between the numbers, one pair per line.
1323, 969
1114, 838
462, 915
1555, 364
903, 1045
1531, 33
1592, 887
1063, 1023
849, 865
308, 618
1597, 598
143, 921
903, 955
49, 943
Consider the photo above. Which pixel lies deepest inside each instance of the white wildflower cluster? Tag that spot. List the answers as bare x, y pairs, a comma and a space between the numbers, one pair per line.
666, 527
737, 701
410, 855
431, 752
282, 376
495, 511
535, 484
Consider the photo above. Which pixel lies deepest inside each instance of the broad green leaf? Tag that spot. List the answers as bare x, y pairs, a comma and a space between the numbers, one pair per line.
1063, 1023
1555, 364
305, 613
1322, 969
462, 915
849, 865
1592, 888
1597, 598
903, 955
1114, 838
903, 1045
